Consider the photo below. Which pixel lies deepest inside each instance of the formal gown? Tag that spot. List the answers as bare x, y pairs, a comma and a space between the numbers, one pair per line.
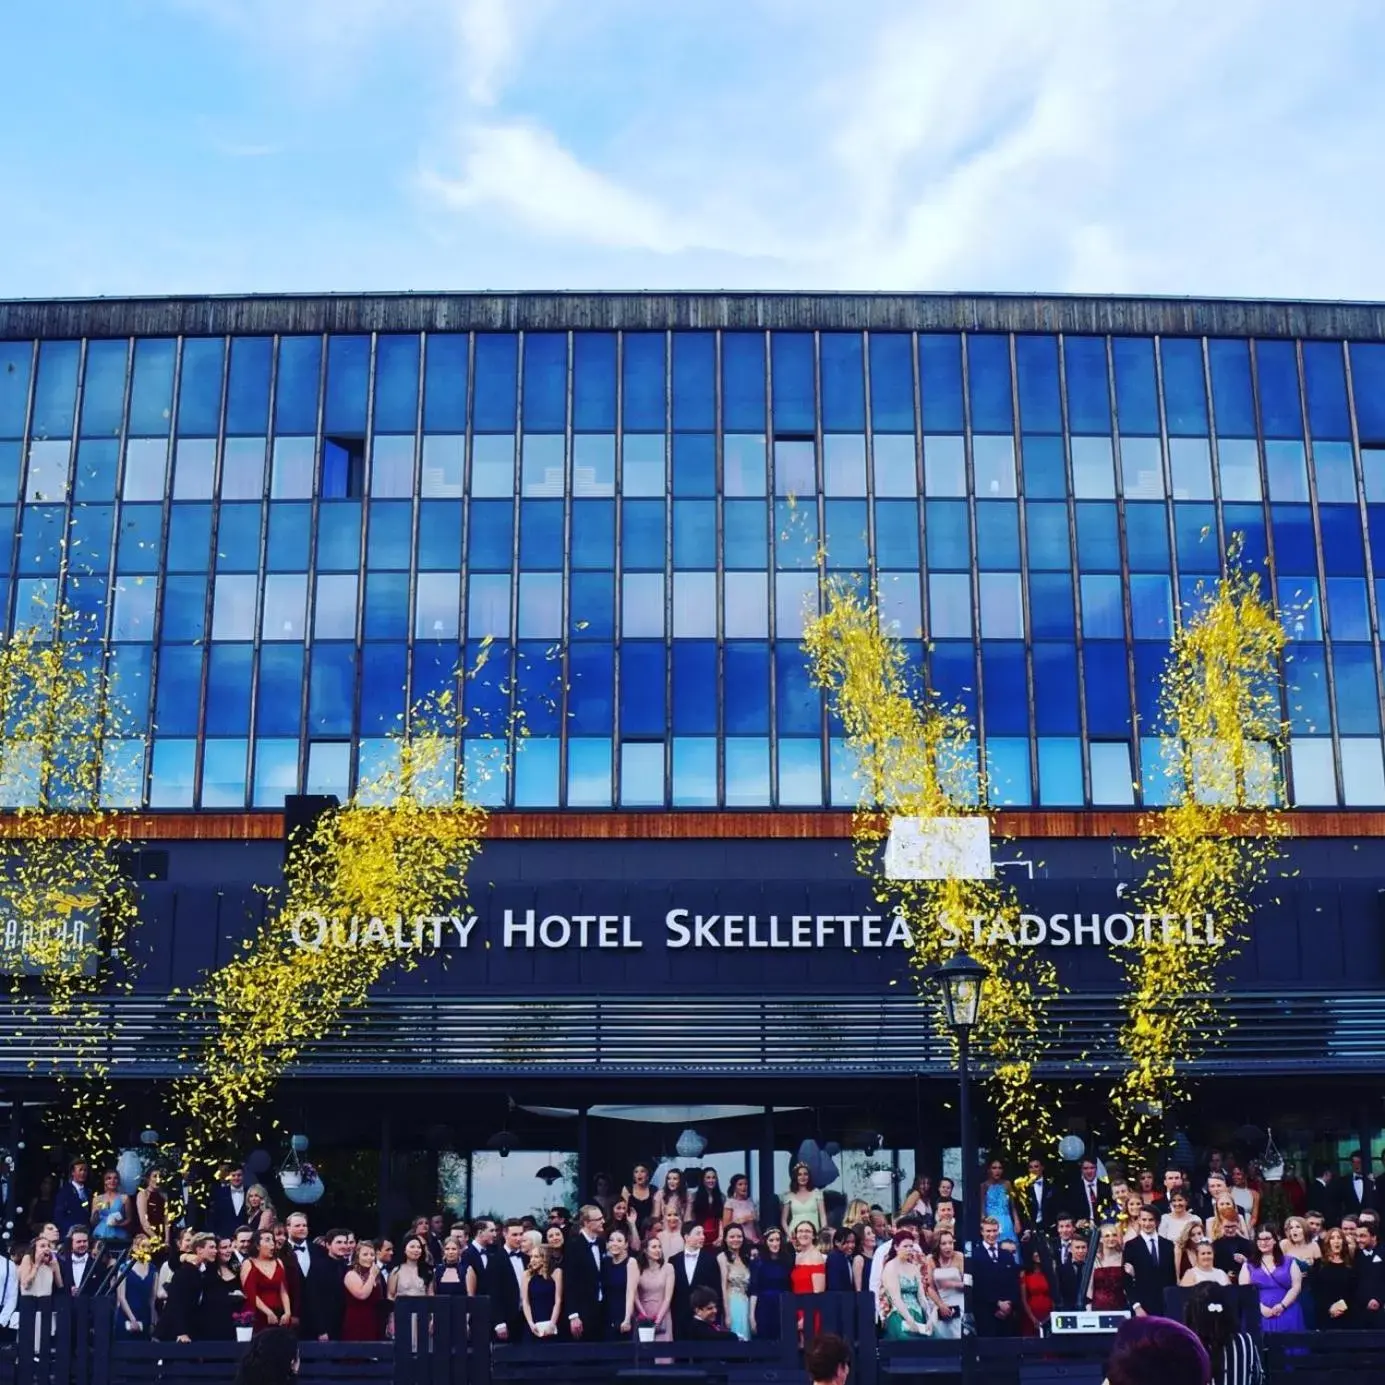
449, 1281
649, 1299
1307, 1299
769, 1282
112, 1221
615, 1284
1272, 1285
220, 1298
801, 1282
1332, 1284
998, 1206
1108, 1289
738, 1299
642, 1209
743, 1215
897, 1327
1040, 1295
363, 1319
267, 1289
543, 1295
947, 1281
803, 1209
139, 1294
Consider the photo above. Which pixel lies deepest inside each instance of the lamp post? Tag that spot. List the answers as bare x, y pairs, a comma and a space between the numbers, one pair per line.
960, 980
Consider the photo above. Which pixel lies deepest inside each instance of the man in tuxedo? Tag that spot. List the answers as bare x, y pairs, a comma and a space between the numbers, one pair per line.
228, 1204
696, 1268
703, 1325
315, 1280
995, 1279
1368, 1301
1149, 1262
582, 1274
188, 1203
476, 1258
1355, 1192
504, 1276
1204, 1205
1068, 1275
181, 1317
1091, 1196
1322, 1197
81, 1268
1064, 1239
1039, 1201
1173, 1183
72, 1204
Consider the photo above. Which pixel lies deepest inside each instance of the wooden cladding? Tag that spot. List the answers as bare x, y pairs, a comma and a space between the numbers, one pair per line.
661, 826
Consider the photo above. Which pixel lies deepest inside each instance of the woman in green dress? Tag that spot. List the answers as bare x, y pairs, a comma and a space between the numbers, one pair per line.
901, 1286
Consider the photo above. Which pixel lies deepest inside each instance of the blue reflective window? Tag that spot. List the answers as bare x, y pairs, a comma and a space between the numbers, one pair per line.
486, 689
745, 534
348, 376
891, 383
1232, 396
642, 534
746, 688
796, 535
1238, 464
1368, 389
332, 689
591, 689
1280, 414
1249, 522
947, 534
130, 674
1147, 537
1325, 384
1060, 771
140, 531
488, 605
1050, 605
988, 362
993, 465
594, 382
16, 362
800, 772
1294, 548
1098, 543
339, 536
1358, 700
592, 606
541, 543
952, 668
1348, 613
997, 534
589, 772
794, 394
1305, 670
744, 468
151, 391
897, 534
437, 597
1137, 400
40, 544
844, 463
1287, 470
55, 391
1112, 776
1190, 467
247, 389
434, 668
694, 533
1195, 535
439, 534
189, 537
694, 687
694, 380
278, 708
494, 389
103, 391
743, 382
1037, 361
536, 774
1045, 468
185, 608
846, 537
228, 689
545, 382
695, 772
1007, 769
1334, 468
1005, 681
645, 396
390, 534
296, 391
1298, 599
944, 465
386, 606
199, 388
1185, 392
1046, 524
593, 534
396, 384
747, 772
843, 381
444, 383
1150, 662
538, 688
694, 464
179, 690
290, 529
1107, 694
1094, 469
382, 694
642, 681
1089, 398
223, 773
88, 537
89, 597
1343, 548
1375, 523
1103, 612
1151, 606
940, 377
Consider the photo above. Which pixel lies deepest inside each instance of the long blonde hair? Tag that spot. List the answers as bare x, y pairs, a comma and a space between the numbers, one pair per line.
265, 1204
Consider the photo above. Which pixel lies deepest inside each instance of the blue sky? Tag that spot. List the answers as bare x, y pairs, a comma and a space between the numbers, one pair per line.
1180, 146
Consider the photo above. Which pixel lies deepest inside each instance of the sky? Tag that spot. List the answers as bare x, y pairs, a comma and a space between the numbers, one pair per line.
1189, 147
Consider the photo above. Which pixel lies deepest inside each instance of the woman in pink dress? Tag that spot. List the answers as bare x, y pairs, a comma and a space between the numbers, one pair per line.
654, 1290
739, 1209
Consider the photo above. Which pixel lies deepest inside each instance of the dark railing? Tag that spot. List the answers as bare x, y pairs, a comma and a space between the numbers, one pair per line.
447, 1341
716, 1035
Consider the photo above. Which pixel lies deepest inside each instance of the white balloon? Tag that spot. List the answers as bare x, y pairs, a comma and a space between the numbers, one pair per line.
1072, 1148
130, 1168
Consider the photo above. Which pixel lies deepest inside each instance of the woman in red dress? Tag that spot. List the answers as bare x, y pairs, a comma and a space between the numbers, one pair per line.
707, 1206
1106, 1289
1036, 1295
809, 1273
364, 1318
262, 1281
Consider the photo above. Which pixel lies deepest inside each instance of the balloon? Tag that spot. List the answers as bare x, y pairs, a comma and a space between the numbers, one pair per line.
832, 1148
825, 1170
300, 1143
305, 1194
258, 1161
807, 1153
130, 1168
1072, 1148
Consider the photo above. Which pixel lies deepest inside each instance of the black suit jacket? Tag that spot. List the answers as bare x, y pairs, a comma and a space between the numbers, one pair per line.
1067, 1280
1370, 1288
319, 1300
71, 1208
1153, 1274
1040, 1212
994, 1281
225, 1218
1077, 1200
1348, 1204
96, 1272
501, 1286
1322, 1197
706, 1275
182, 1310
582, 1285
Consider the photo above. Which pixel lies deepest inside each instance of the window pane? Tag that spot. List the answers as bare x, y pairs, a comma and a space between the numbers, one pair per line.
594, 382
171, 773
493, 464
1111, 773
940, 378
747, 772
594, 464
694, 772
891, 382
694, 464
1238, 462
242, 469
199, 389
895, 473
743, 381
1334, 468
1325, 384
1002, 608
392, 465
642, 604
795, 469
1280, 414
292, 474
589, 772
1037, 359
247, 390
844, 464
695, 603
949, 605
1137, 402
1151, 606
644, 385
1363, 773
1007, 771
1093, 470
488, 606
694, 382
1232, 396
841, 362
1045, 468
1089, 400
1287, 471
1190, 462
1060, 771
540, 605
1103, 614
233, 608
792, 371
988, 357
48, 470
743, 464
135, 598
944, 465
296, 391
1142, 467
151, 391
800, 773
55, 392
103, 391
16, 362
901, 609
1315, 779
795, 601
642, 465
285, 601
1185, 394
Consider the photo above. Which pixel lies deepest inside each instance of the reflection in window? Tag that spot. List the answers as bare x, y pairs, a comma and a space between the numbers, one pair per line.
1287, 471
329, 768
292, 474
695, 603
146, 460
1060, 771
642, 465
795, 600
1112, 777
540, 605
135, 598
901, 610
536, 773
1093, 472
1363, 773
1142, 468
541, 465
194, 469
488, 605
800, 772
1151, 606
844, 464
589, 772
1002, 606
47, 475
1315, 777
1238, 464
1335, 473
242, 469
444, 459
1045, 469
1089, 398
747, 772
233, 608
223, 773
334, 611
1190, 462
285, 600
171, 776
993, 464
743, 464
895, 474
392, 465
1007, 771
493, 464
437, 599
944, 465
594, 464
795, 471
1348, 614
694, 772
949, 605
1103, 615
276, 771
641, 774
642, 604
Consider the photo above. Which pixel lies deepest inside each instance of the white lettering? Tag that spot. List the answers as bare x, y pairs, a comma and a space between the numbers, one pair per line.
524, 931
679, 933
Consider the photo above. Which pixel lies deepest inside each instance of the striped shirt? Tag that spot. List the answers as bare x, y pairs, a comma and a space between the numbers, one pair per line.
1241, 1363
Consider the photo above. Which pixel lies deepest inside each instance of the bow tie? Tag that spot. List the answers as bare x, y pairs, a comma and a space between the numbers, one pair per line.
516, 1254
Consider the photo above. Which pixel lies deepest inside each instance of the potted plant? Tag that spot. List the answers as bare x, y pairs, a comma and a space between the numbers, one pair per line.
245, 1324
880, 1173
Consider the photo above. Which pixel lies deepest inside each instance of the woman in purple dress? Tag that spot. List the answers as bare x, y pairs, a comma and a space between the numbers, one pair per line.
1277, 1280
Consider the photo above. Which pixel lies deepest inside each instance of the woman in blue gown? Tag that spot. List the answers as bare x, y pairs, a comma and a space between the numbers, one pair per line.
769, 1282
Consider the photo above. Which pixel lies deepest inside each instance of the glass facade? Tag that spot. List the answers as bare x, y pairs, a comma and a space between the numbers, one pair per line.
290, 538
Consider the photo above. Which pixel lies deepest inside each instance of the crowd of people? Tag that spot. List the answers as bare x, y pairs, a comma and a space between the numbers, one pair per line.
690, 1260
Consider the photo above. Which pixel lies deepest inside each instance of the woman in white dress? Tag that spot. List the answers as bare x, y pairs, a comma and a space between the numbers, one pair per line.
946, 1273
1202, 1270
